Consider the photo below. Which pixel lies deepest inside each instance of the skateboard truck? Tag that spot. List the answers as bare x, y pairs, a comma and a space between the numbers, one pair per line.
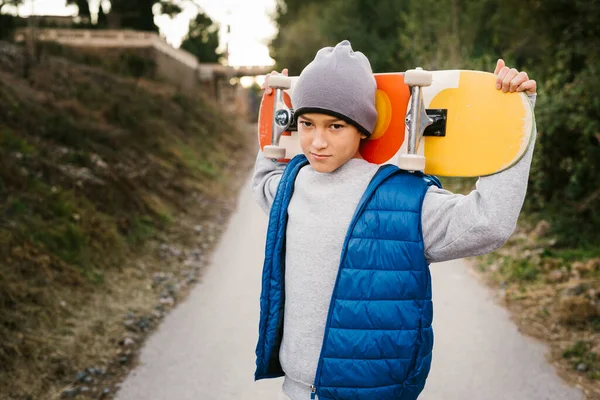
417, 119
438, 127
283, 117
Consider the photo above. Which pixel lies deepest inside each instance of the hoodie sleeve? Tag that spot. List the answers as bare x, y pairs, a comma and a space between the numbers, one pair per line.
457, 226
267, 174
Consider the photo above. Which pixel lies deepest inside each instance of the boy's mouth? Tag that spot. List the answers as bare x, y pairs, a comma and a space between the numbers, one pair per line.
320, 156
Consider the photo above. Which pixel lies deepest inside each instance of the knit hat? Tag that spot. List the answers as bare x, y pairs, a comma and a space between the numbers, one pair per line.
338, 82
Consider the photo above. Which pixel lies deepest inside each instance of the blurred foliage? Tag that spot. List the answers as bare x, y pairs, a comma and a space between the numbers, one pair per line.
296, 43
13, 3
83, 7
202, 39
102, 22
139, 14
128, 14
8, 24
556, 41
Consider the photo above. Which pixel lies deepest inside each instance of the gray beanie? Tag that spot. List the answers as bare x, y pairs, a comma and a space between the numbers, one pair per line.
338, 82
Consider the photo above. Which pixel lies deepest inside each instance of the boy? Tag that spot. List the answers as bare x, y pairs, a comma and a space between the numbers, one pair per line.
346, 301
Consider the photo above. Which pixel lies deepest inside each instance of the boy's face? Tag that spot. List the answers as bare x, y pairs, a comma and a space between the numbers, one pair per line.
328, 142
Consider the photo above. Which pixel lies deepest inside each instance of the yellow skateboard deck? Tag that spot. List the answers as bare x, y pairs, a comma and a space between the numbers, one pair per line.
487, 131
483, 131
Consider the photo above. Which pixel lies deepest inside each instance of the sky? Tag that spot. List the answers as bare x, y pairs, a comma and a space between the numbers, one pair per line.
251, 25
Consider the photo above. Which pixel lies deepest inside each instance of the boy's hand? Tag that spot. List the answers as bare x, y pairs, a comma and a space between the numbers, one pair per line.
511, 80
268, 90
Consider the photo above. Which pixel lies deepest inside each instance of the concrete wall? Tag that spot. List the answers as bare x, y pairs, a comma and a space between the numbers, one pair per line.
176, 66
177, 73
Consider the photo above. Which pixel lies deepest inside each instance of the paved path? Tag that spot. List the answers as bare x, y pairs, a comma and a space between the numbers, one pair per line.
204, 350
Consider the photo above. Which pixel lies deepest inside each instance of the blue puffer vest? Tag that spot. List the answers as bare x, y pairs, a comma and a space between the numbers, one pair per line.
378, 336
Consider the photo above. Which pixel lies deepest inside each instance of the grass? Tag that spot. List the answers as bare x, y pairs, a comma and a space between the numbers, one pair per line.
519, 271
574, 254
583, 359
95, 167
11, 142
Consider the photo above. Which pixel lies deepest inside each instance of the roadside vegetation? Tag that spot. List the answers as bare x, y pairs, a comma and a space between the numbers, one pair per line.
113, 189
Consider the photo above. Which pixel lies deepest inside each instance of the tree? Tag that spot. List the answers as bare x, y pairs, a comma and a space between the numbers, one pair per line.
82, 6
202, 39
290, 16
8, 23
102, 19
298, 43
13, 3
373, 27
139, 14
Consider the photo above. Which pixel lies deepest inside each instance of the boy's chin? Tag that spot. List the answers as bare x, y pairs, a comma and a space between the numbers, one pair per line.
324, 167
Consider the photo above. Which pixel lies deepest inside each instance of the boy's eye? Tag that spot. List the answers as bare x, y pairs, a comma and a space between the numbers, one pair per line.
306, 124
337, 126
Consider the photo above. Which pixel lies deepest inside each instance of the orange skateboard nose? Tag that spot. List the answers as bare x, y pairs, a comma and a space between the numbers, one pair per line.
391, 101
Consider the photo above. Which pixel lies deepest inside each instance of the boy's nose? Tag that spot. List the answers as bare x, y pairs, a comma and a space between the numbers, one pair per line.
318, 140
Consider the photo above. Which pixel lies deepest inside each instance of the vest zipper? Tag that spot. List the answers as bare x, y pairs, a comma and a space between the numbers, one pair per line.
313, 391
379, 177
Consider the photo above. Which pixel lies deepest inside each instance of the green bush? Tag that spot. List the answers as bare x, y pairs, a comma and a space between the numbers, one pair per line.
565, 179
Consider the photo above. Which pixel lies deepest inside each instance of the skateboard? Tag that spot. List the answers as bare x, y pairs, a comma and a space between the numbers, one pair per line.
445, 123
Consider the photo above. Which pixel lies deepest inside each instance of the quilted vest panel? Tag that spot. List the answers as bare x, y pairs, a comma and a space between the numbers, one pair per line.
379, 339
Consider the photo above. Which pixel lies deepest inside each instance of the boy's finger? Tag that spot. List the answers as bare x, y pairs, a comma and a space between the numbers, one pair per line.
499, 65
528, 87
268, 75
265, 86
509, 77
517, 81
501, 74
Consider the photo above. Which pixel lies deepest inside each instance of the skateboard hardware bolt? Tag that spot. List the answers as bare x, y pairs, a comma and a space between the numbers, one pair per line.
283, 118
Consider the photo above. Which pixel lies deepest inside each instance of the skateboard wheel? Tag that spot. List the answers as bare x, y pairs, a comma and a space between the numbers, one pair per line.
280, 82
418, 77
411, 162
274, 152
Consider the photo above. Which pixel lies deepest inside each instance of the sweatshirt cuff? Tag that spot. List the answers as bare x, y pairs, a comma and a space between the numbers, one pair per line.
532, 98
